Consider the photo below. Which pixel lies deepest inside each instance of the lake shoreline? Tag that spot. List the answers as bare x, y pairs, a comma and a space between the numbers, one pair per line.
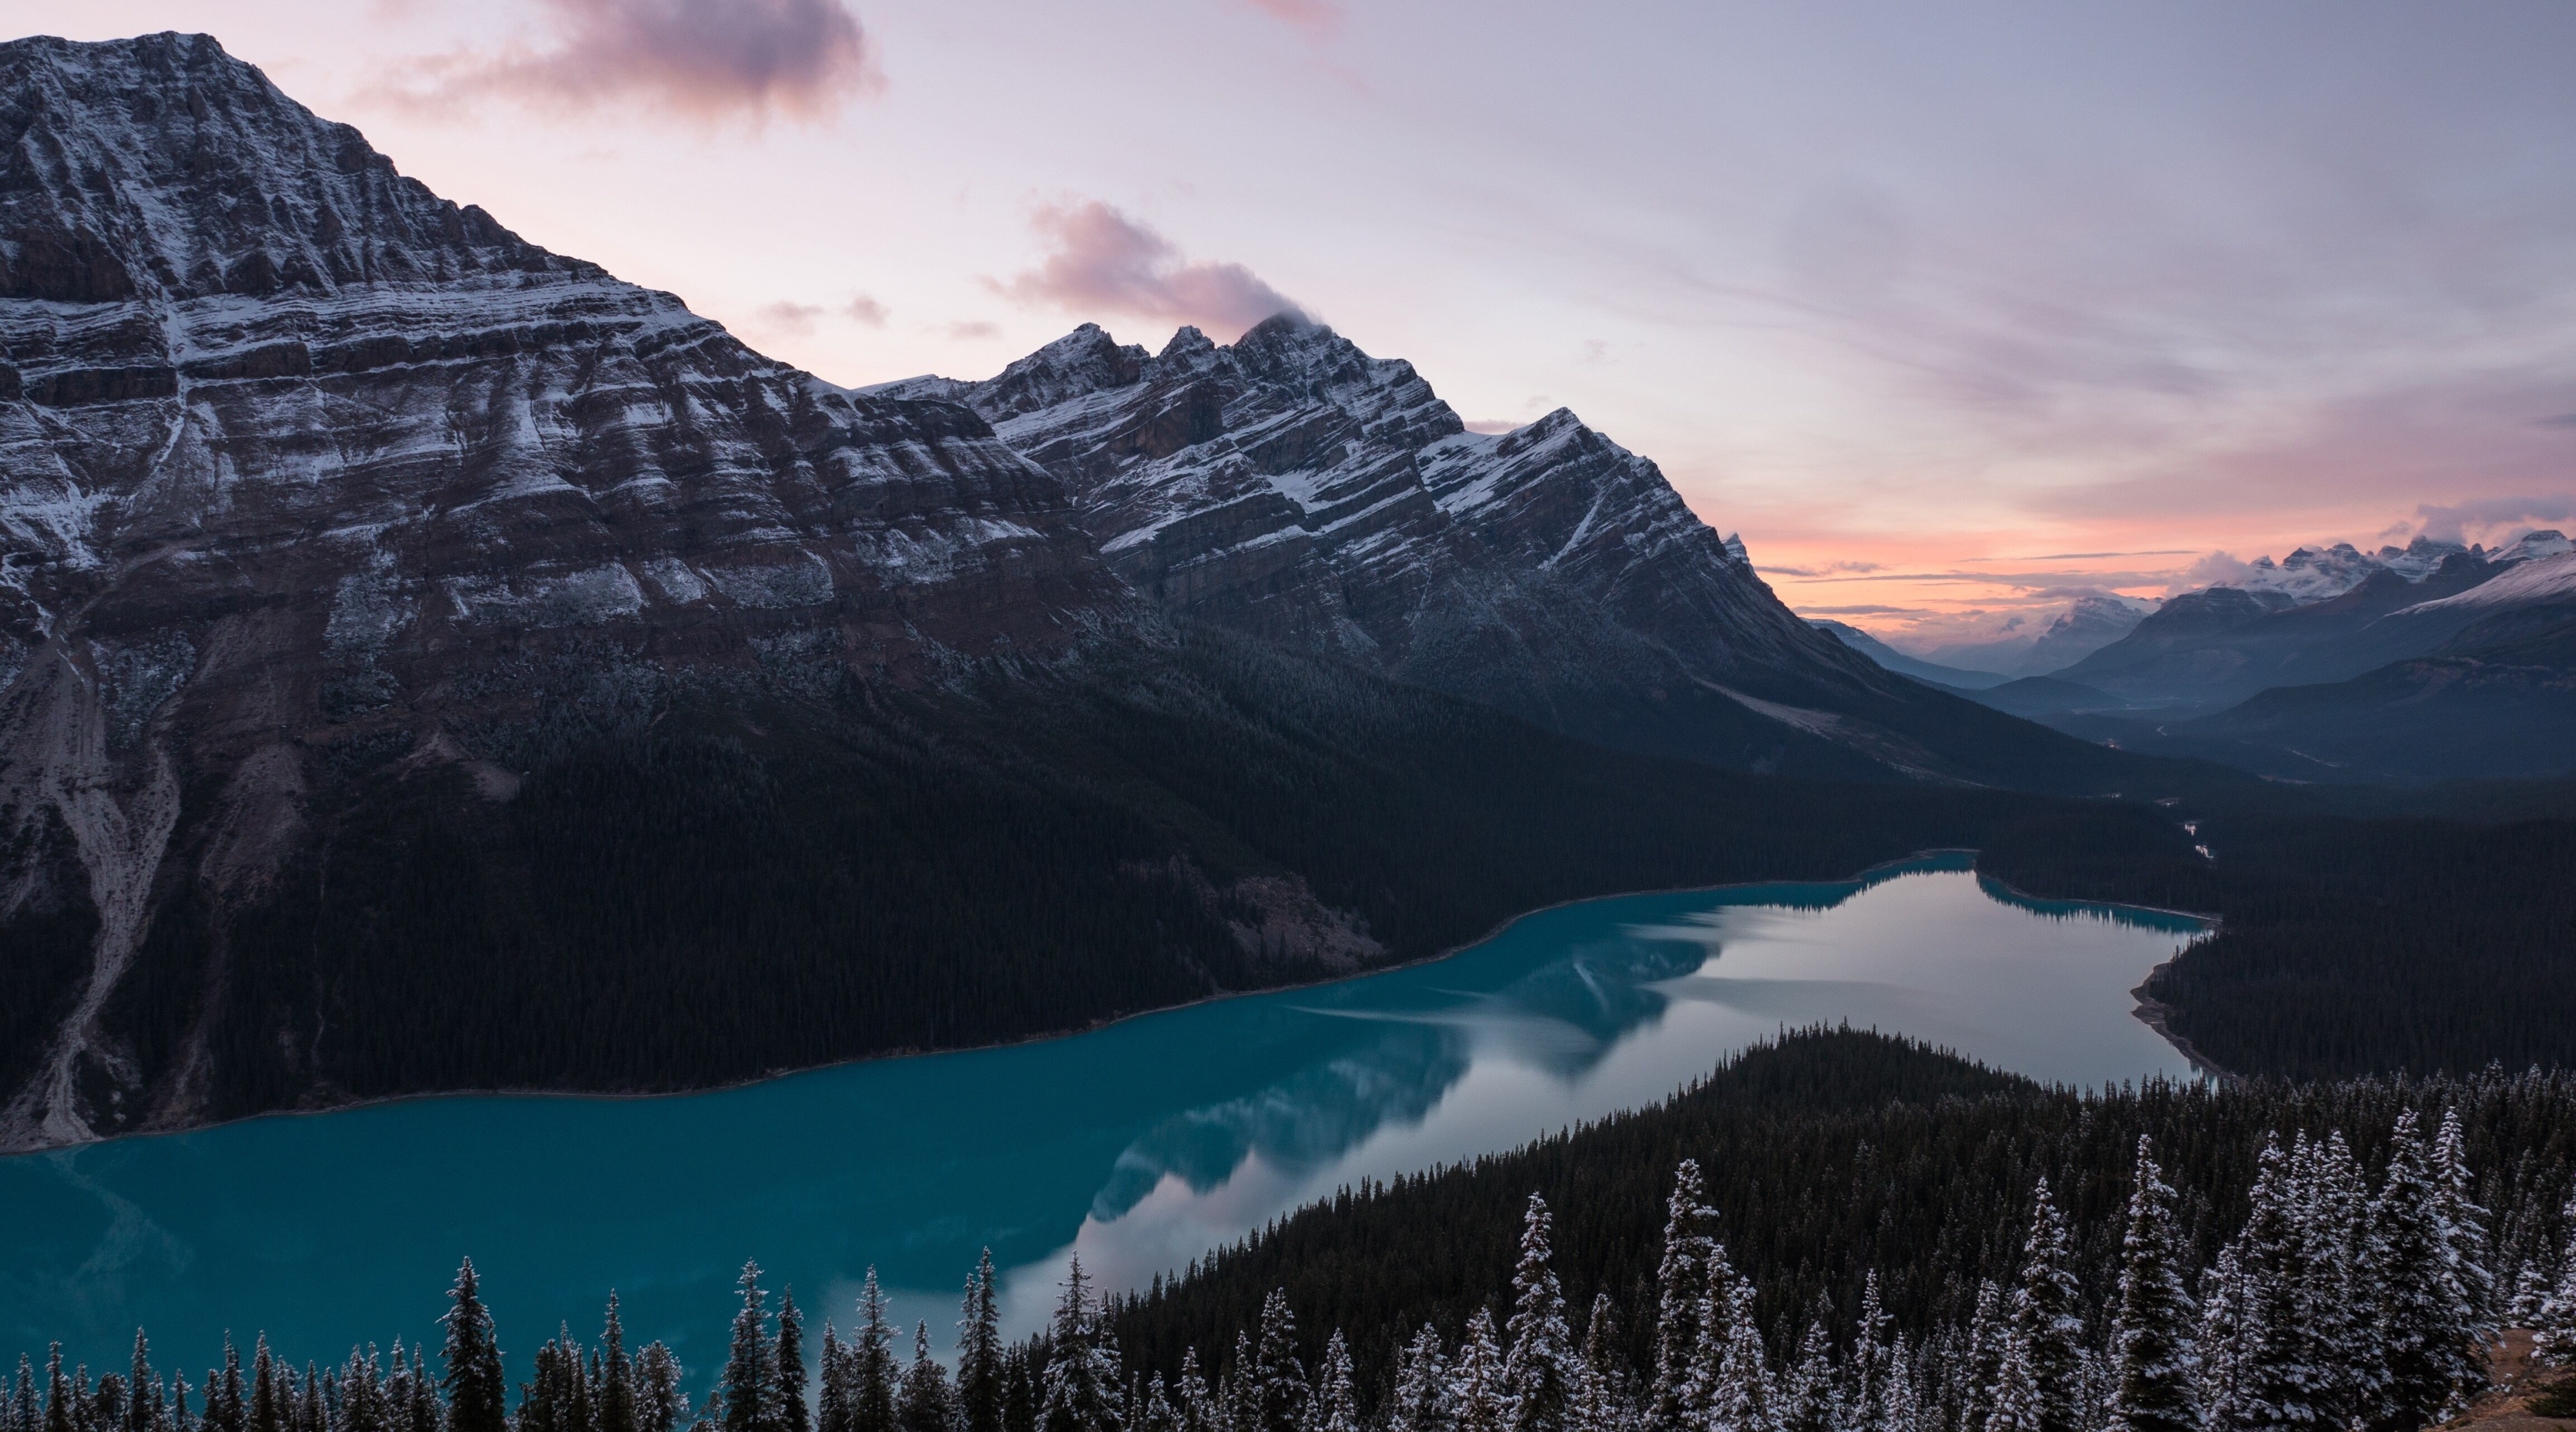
1866, 876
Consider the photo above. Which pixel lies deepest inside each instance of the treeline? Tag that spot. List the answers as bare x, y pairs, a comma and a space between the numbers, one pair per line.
1834, 1158
2354, 1289
2347, 946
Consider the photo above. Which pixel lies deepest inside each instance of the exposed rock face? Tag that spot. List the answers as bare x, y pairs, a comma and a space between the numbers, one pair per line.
1293, 486
301, 466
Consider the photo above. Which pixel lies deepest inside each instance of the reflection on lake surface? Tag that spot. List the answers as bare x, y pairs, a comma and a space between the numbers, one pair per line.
1140, 1145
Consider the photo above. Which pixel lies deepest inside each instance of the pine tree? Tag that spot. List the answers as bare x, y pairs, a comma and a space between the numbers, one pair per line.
2530, 1294
1539, 1372
1420, 1401
1082, 1386
615, 1406
660, 1405
2224, 1335
751, 1362
2273, 1383
58, 1394
2554, 1323
1740, 1400
2153, 1359
979, 1351
2433, 1353
1195, 1404
2036, 1391
143, 1399
476, 1389
872, 1370
832, 1381
1336, 1396
2340, 1313
2473, 1284
1989, 1333
1477, 1402
1805, 1403
1604, 1404
266, 1413
926, 1401
786, 1402
1681, 1294
1275, 1392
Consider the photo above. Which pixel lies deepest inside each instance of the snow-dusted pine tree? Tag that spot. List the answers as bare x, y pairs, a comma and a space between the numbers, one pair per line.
1604, 1402
2152, 1356
1336, 1406
979, 1351
751, 1363
1740, 1400
2047, 1335
1420, 1399
1806, 1394
1275, 1387
2465, 1222
1192, 1399
473, 1382
1540, 1371
1477, 1402
2434, 1354
1989, 1330
2554, 1322
2273, 1383
614, 1408
926, 1403
787, 1409
872, 1369
1082, 1386
1681, 1293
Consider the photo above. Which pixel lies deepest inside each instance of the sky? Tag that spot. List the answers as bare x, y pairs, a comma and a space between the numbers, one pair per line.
1953, 311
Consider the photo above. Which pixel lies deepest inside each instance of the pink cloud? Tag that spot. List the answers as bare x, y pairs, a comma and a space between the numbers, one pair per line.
863, 309
1317, 17
708, 59
1106, 262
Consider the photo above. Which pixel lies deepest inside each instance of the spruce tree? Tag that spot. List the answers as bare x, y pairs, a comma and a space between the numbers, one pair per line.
477, 1392
143, 1396
2153, 1359
1195, 1403
58, 1394
1275, 1393
660, 1405
1740, 1401
1681, 1294
266, 1412
1604, 1404
751, 1361
926, 1401
2428, 1338
1477, 1402
2340, 1312
1805, 1401
615, 1406
2042, 1359
2223, 1336
979, 1351
2276, 1383
1420, 1399
832, 1382
1336, 1399
788, 1412
872, 1369
2554, 1323
2465, 1223
1082, 1387
1539, 1372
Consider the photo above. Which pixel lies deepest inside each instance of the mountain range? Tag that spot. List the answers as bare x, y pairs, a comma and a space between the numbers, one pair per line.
427, 661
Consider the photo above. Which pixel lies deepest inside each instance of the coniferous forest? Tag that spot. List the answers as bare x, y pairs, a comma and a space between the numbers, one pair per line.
1841, 1232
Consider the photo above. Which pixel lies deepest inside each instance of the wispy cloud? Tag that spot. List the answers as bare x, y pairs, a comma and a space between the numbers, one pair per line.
1319, 18
2453, 522
706, 59
863, 309
1106, 262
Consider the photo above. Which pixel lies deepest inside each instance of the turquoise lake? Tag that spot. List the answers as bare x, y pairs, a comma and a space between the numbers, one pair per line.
1138, 1146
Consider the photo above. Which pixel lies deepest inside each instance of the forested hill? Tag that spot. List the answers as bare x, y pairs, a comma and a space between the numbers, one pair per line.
1844, 1167
2348, 945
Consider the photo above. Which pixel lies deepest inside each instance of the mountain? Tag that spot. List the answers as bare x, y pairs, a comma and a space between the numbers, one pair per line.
2496, 700
2095, 621
1293, 487
2221, 645
2314, 574
1955, 677
427, 662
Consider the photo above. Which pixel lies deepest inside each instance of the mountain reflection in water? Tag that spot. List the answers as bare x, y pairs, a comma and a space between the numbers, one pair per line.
1140, 1146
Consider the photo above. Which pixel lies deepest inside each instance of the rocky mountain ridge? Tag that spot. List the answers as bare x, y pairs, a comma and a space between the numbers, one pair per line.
308, 467
1296, 488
